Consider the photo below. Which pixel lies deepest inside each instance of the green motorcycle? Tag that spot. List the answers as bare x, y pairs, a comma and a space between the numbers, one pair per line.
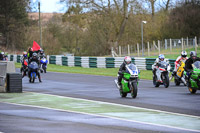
129, 81
195, 78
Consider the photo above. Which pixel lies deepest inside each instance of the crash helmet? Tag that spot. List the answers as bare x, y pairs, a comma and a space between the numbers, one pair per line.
2, 53
184, 54
41, 51
193, 55
161, 57
25, 54
127, 60
34, 55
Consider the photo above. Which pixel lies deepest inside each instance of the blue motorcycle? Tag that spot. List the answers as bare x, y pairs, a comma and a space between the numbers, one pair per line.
43, 63
33, 70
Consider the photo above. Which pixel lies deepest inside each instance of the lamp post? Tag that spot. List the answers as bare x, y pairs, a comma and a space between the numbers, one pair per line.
40, 27
142, 35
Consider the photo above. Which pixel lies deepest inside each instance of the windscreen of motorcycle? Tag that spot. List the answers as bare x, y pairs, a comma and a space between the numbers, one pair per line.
131, 69
163, 64
43, 60
33, 65
197, 64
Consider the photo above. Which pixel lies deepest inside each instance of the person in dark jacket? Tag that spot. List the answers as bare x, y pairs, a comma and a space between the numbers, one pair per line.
29, 52
127, 60
37, 60
189, 62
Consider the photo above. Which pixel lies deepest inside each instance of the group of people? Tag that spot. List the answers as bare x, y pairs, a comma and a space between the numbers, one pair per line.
3, 57
183, 57
31, 56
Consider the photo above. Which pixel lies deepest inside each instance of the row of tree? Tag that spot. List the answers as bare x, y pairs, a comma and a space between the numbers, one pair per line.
92, 27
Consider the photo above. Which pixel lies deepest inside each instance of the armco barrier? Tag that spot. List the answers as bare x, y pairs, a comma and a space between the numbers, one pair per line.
171, 62
101, 62
96, 62
141, 63
64, 61
149, 63
77, 60
58, 59
85, 62
8, 57
15, 58
110, 62
52, 59
118, 61
92, 62
11, 58
18, 58
71, 61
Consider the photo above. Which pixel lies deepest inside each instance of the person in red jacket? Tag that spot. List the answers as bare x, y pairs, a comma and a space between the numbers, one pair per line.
182, 58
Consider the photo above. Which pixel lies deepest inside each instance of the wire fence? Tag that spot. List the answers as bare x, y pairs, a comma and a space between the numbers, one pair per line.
155, 47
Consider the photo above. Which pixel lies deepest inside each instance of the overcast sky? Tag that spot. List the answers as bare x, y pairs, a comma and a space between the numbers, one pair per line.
49, 6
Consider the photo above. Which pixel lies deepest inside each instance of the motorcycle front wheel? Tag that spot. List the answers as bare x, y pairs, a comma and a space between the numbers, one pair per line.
44, 68
154, 82
166, 81
33, 77
176, 81
134, 90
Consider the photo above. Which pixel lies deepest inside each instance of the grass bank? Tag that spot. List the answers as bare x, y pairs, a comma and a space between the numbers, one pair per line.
145, 74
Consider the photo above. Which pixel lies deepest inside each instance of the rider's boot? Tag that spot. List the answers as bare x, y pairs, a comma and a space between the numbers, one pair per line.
39, 79
173, 74
120, 85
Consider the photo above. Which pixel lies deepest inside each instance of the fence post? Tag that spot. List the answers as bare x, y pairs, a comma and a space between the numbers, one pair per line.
170, 41
120, 52
182, 44
138, 49
159, 46
187, 41
195, 44
128, 50
148, 49
165, 43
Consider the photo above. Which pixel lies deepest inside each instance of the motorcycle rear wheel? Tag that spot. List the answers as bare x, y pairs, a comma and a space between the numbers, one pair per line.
134, 90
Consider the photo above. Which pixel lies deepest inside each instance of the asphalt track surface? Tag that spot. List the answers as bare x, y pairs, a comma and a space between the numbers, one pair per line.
20, 118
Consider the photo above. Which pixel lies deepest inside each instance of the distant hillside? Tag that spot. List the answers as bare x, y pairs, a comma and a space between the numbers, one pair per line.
45, 17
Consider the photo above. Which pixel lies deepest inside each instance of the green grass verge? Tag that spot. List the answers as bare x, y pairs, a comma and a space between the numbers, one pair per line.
145, 74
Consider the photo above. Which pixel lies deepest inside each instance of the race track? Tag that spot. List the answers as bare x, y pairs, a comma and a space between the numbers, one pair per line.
94, 105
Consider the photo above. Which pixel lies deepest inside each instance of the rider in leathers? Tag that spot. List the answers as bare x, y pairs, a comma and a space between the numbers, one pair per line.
155, 66
182, 58
24, 57
127, 60
188, 64
36, 59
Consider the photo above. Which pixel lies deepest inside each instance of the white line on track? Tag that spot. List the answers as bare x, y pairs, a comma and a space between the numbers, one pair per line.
104, 117
160, 111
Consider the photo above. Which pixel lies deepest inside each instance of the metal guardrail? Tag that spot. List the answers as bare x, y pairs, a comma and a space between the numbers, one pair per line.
97, 62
